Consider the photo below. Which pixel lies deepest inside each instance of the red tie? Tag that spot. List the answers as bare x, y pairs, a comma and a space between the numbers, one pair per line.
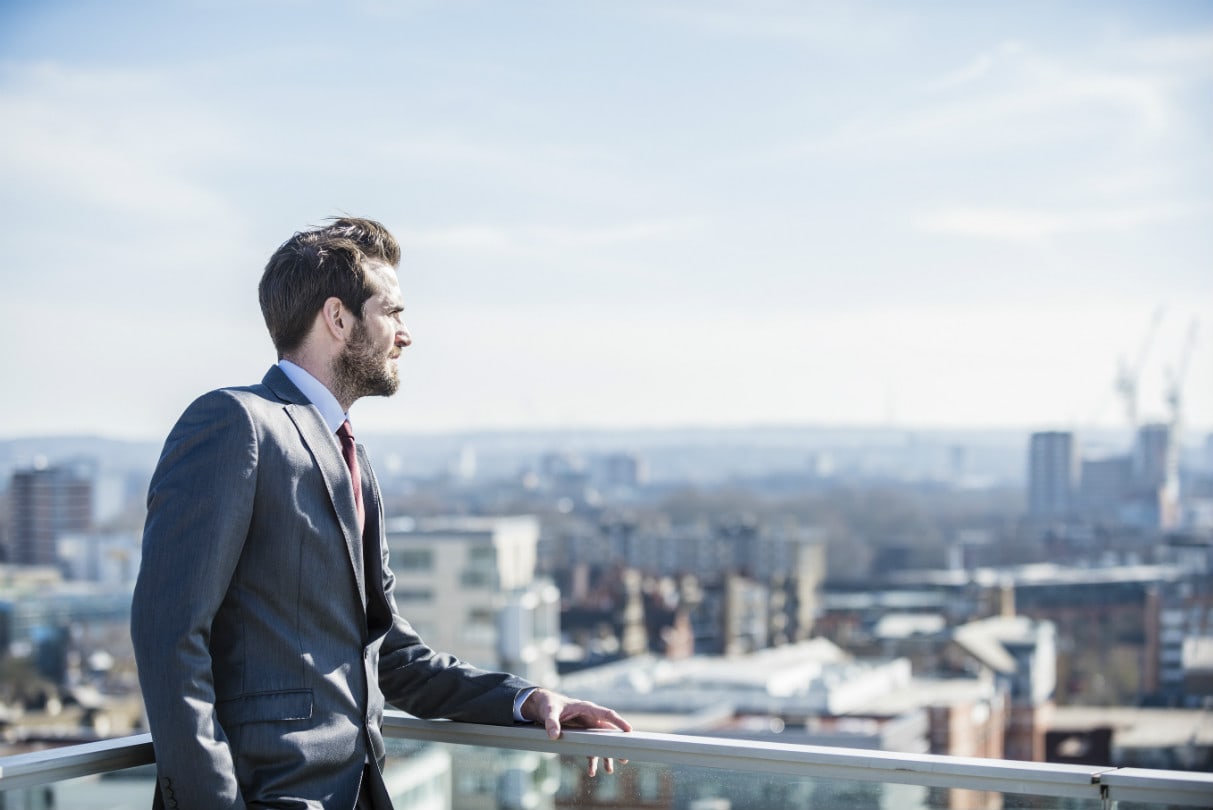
350, 451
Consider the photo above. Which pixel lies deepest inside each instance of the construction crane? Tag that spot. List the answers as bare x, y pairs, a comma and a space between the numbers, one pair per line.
1175, 376
1127, 376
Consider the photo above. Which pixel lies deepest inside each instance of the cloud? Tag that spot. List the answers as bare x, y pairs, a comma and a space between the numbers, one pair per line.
115, 140
823, 25
980, 68
1027, 225
1055, 105
451, 147
1014, 95
524, 240
1193, 49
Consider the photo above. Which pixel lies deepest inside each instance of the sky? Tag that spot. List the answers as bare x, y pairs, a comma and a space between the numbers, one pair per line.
619, 214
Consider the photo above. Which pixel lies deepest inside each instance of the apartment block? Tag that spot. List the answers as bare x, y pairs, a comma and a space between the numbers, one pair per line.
44, 504
456, 576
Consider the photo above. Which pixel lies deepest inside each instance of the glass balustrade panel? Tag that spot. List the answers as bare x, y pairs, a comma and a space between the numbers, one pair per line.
505, 779
439, 776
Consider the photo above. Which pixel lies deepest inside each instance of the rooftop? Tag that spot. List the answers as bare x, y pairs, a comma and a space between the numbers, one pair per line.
1138, 727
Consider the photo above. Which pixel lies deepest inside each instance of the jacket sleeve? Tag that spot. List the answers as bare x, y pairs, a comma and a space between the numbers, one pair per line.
200, 506
430, 684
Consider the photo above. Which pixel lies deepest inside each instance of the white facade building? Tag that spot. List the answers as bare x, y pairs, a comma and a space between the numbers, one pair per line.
468, 587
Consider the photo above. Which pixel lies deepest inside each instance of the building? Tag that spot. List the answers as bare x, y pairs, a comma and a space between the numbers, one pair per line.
1105, 484
1132, 737
811, 685
467, 585
110, 558
455, 576
1113, 648
743, 569
44, 504
1052, 476
53, 623
626, 471
1154, 502
1021, 655
528, 631
809, 693
1155, 460
1179, 645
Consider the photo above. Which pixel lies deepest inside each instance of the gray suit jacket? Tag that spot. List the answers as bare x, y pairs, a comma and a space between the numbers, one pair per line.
263, 663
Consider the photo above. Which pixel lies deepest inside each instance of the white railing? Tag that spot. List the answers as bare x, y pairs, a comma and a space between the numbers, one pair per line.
1103, 784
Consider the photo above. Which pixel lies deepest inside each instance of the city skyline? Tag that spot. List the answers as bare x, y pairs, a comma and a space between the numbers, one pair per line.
619, 215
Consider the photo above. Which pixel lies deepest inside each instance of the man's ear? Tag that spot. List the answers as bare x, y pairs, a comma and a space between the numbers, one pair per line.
336, 318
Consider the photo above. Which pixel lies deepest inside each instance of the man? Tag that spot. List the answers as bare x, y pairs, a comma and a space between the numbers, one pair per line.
265, 629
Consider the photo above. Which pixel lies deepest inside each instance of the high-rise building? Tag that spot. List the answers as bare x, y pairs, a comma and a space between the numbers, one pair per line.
1156, 476
1052, 475
44, 504
1106, 483
1155, 462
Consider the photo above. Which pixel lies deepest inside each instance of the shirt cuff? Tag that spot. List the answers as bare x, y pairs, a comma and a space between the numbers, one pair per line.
518, 701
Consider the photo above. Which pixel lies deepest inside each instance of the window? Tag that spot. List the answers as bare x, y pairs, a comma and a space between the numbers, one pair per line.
413, 559
478, 578
481, 626
483, 555
482, 616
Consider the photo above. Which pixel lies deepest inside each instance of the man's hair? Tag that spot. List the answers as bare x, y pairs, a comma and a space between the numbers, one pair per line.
302, 274
374, 239
313, 266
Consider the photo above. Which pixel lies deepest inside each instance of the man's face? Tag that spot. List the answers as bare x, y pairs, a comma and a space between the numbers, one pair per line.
367, 364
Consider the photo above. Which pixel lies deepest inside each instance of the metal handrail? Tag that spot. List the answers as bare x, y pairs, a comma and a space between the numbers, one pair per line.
71, 761
1004, 776
933, 770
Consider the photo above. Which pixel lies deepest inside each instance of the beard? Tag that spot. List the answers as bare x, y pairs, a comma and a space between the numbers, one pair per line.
363, 371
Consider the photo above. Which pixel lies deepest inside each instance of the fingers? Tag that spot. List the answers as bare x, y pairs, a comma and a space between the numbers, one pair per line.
556, 711
584, 714
551, 721
592, 767
545, 708
613, 720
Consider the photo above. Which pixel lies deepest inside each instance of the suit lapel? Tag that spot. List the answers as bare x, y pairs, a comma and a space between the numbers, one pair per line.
323, 447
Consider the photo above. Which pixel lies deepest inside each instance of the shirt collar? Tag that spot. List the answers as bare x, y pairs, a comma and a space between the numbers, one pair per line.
317, 394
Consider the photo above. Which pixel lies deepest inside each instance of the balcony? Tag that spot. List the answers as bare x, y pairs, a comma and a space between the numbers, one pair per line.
521, 769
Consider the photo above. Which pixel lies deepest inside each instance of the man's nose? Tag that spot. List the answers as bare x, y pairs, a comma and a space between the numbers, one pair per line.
403, 338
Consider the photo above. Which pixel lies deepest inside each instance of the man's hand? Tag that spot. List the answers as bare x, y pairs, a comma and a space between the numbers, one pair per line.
555, 711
